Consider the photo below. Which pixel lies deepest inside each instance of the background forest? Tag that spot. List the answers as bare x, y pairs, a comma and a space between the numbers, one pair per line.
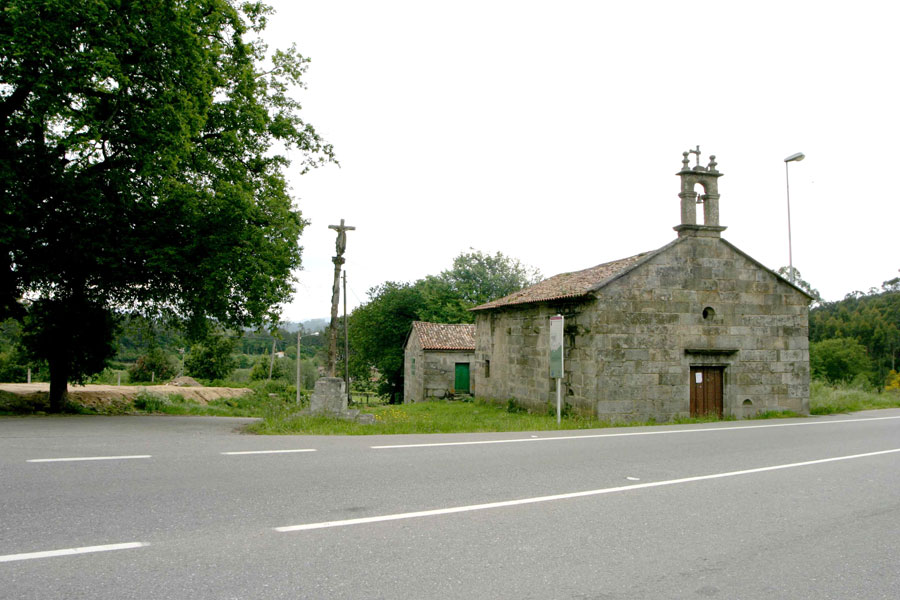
857, 339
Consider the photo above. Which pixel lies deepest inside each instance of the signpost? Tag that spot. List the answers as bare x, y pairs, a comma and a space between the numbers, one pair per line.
557, 360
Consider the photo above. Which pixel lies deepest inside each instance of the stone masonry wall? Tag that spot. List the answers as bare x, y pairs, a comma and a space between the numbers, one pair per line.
413, 369
512, 356
629, 351
440, 371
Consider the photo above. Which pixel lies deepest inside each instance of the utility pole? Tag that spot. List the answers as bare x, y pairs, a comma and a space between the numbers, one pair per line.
346, 342
272, 359
299, 328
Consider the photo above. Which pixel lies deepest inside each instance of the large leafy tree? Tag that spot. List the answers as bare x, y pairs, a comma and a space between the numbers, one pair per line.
477, 277
474, 278
139, 172
377, 332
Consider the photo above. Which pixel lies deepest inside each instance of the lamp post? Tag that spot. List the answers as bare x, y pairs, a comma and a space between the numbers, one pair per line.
792, 158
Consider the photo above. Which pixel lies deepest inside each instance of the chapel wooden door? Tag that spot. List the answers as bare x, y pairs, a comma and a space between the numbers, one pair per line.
707, 390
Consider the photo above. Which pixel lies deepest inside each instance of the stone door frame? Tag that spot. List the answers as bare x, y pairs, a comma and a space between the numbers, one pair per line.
704, 358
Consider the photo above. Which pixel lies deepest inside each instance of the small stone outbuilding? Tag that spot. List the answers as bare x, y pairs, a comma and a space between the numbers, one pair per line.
695, 327
437, 360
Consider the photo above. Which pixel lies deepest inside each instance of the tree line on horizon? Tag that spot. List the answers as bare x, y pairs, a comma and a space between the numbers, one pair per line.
155, 350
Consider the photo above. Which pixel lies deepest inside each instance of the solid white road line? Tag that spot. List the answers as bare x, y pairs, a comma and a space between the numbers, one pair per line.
624, 488
630, 433
71, 551
270, 451
77, 458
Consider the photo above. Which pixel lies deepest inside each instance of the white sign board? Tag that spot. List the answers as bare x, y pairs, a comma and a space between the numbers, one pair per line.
556, 346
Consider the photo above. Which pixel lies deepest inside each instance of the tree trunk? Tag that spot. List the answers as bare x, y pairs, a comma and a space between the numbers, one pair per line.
59, 385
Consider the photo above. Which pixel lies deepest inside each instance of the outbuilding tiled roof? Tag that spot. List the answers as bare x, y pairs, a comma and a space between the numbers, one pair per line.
567, 285
441, 336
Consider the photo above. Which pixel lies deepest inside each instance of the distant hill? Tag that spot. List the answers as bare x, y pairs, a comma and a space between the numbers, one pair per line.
309, 325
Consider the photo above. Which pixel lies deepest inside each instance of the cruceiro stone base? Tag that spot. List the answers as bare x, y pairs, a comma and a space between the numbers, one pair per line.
330, 398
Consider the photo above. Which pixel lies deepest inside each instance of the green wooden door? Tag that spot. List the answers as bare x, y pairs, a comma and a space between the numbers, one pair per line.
461, 381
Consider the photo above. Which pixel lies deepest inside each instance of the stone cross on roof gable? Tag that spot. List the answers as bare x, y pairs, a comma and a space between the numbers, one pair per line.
685, 162
697, 152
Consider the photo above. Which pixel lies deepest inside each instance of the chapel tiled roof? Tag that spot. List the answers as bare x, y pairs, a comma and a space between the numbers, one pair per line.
442, 336
567, 285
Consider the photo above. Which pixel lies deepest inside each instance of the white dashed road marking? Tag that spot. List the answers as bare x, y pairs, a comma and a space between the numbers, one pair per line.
270, 451
632, 433
520, 502
79, 458
70, 551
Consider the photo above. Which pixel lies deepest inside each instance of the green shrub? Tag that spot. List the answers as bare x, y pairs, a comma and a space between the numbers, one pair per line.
148, 402
513, 407
839, 359
109, 376
12, 368
565, 410
260, 369
212, 358
155, 365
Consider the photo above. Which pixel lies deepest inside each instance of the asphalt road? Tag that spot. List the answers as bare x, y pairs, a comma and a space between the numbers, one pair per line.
805, 508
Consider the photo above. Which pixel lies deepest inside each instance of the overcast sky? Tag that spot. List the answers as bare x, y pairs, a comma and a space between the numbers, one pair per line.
552, 132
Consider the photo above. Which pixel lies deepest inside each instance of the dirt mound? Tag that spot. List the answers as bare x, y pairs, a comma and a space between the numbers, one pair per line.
36, 396
185, 381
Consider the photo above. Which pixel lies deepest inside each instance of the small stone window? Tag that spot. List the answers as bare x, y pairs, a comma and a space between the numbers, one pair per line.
413, 368
709, 313
487, 369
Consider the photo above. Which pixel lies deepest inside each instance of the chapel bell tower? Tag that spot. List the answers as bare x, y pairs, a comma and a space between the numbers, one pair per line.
708, 178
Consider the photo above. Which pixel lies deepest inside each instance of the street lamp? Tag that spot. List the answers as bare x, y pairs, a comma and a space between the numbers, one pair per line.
792, 158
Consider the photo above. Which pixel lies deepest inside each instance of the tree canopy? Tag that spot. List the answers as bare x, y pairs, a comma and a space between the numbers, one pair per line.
477, 277
139, 169
801, 283
839, 359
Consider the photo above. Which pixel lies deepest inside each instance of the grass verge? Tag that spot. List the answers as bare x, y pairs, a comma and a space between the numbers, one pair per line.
826, 399
274, 403
440, 417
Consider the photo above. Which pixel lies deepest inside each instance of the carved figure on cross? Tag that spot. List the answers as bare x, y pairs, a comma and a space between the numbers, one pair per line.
341, 243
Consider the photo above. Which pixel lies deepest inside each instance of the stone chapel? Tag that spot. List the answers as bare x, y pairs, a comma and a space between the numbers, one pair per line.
692, 328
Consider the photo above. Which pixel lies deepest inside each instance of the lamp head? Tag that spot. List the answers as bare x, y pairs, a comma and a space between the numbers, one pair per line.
795, 157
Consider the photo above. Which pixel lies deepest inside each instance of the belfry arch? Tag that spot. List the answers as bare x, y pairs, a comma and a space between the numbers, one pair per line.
707, 179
